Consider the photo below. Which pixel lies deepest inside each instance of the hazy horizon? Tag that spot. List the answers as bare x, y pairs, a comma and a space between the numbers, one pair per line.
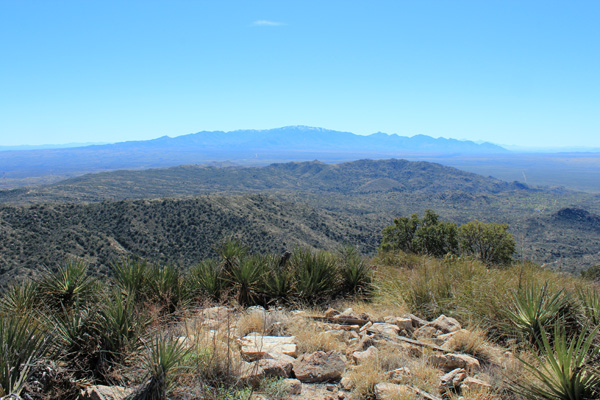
523, 73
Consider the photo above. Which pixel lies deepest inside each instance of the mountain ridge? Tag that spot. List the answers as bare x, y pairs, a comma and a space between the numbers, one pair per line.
252, 147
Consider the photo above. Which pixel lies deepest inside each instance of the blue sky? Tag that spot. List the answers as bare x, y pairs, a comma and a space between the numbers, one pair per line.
511, 72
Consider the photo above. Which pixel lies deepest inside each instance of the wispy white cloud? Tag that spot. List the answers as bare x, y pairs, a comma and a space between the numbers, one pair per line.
264, 22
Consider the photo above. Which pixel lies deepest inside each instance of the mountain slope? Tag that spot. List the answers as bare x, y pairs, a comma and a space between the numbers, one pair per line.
357, 177
183, 231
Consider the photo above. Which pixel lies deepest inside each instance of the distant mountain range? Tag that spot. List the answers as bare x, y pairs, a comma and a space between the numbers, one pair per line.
258, 147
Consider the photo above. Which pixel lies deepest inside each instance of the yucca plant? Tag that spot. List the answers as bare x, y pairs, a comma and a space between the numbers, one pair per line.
69, 284
20, 344
245, 278
563, 369
164, 361
356, 276
131, 275
590, 303
122, 326
231, 253
77, 340
277, 281
20, 299
206, 280
534, 310
166, 288
315, 275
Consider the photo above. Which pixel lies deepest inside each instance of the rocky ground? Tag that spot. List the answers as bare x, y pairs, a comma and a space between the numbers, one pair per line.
341, 355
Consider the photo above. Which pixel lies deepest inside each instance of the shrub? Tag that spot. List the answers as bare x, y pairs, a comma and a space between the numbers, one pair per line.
131, 275
245, 278
534, 310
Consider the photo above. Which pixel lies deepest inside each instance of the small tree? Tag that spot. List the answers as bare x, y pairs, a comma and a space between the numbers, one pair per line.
400, 235
429, 235
491, 243
434, 237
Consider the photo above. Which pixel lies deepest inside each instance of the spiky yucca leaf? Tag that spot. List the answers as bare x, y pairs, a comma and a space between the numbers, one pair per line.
20, 299
563, 369
245, 278
20, 343
534, 310
315, 274
206, 279
356, 275
122, 326
68, 285
165, 359
590, 302
131, 275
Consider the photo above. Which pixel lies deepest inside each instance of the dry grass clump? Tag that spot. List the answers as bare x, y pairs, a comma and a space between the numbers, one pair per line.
311, 337
258, 320
423, 375
365, 376
473, 341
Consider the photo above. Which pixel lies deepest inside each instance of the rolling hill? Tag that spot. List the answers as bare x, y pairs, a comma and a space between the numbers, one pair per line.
149, 212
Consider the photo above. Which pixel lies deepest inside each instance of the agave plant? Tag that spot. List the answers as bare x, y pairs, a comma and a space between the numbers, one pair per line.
564, 369
122, 325
76, 335
20, 343
166, 288
165, 359
69, 284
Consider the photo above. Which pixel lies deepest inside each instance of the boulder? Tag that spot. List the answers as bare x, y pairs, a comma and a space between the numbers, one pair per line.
399, 376
390, 391
445, 324
474, 384
319, 366
251, 373
384, 329
293, 386
401, 323
426, 331
101, 392
255, 347
448, 362
452, 379
331, 312
218, 313
348, 313
360, 356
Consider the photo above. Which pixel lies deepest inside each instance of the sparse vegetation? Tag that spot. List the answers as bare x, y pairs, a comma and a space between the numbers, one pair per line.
150, 326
